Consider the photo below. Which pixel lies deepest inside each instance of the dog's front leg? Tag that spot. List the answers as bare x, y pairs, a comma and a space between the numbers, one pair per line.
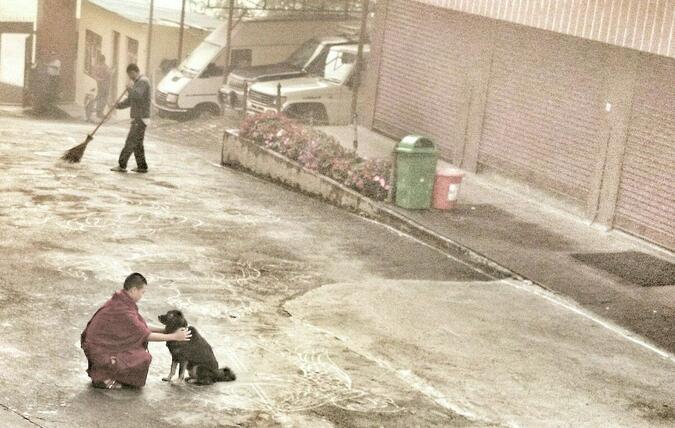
174, 363
181, 371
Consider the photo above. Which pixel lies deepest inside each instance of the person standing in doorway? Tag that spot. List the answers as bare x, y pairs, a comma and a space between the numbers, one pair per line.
138, 99
102, 74
53, 72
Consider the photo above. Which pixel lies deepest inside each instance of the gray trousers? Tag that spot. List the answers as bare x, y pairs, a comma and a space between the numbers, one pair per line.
134, 144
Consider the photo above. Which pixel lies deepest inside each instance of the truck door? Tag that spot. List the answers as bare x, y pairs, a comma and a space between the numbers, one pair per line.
340, 72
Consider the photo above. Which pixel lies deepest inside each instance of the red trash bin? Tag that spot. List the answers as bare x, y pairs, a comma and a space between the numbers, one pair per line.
446, 188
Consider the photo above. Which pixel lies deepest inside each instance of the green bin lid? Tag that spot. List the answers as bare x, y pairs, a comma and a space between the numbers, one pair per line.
416, 144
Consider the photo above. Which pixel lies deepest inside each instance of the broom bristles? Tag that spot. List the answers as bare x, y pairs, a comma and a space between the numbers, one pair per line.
75, 154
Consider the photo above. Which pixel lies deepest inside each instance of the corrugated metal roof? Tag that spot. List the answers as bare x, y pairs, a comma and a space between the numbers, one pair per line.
138, 11
645, 25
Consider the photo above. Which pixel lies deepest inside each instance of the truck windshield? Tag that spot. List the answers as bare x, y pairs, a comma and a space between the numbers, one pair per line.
339, 66
303, 54
199, 59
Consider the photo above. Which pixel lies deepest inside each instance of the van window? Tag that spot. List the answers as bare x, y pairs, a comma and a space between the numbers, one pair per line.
339, 66
199, 59
212, 70
303, 54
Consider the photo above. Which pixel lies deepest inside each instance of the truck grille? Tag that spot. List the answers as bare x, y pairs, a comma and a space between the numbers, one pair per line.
236, 83
261, 98
160, 98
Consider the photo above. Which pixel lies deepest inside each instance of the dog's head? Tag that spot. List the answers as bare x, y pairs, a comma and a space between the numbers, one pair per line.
173, 320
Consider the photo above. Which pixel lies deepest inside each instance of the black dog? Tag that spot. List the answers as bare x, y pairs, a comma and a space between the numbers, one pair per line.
195, 355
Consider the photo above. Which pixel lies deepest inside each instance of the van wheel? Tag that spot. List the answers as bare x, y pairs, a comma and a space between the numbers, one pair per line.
205, 111
310, 114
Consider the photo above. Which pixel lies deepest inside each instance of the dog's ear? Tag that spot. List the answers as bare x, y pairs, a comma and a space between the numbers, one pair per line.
184, 322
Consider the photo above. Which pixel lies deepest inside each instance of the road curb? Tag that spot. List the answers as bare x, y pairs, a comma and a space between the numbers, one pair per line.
407, 225
271, 166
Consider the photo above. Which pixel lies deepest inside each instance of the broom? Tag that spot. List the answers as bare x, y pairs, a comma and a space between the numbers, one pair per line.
75, 154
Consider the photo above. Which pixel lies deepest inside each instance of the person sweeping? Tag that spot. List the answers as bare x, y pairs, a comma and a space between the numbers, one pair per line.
138, 99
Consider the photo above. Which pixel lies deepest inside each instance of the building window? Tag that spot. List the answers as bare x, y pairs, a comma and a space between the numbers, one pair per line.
241, 58
132, 51
92, 50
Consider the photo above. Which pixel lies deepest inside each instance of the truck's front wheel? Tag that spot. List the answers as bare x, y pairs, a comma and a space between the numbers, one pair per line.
205, 111
311, 114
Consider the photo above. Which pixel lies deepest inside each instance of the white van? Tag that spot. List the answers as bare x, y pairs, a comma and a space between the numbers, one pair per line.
193, 87
323, 99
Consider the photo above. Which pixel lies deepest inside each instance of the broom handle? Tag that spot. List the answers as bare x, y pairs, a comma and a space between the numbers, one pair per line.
112, 109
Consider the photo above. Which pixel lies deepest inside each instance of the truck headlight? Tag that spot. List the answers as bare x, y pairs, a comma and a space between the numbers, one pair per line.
171, 98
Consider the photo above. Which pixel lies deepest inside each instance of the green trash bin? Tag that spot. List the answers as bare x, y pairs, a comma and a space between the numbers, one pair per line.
415, 172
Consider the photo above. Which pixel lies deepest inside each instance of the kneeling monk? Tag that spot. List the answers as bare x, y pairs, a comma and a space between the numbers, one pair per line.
116, 338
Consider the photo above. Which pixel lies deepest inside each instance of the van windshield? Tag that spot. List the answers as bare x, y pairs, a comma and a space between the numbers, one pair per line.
199, 59
339, 66
303, 54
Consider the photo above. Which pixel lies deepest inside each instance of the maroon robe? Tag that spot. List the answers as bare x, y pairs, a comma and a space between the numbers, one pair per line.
117, 330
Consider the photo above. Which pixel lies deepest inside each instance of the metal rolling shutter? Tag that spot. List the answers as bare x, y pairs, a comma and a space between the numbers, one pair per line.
423, 85
646, 202
543, 115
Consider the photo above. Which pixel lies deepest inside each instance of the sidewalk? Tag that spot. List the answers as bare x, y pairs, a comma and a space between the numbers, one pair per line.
61, 112
534, 237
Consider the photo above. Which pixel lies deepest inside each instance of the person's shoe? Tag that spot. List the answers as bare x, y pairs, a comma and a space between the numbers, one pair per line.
118, 169
140, 170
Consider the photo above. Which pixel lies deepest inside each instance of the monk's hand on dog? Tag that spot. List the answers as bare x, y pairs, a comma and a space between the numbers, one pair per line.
182, 335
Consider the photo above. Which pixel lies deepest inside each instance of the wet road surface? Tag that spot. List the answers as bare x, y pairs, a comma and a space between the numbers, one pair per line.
225, 248
251, 265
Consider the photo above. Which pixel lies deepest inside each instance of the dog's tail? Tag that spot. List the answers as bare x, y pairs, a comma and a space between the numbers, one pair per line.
225, 375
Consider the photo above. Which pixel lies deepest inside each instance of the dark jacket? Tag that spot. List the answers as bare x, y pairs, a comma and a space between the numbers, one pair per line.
138, 99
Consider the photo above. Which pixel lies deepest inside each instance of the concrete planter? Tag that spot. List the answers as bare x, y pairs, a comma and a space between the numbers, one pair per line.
242, 153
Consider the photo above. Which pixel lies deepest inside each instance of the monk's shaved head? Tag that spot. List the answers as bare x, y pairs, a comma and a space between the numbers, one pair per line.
135, 280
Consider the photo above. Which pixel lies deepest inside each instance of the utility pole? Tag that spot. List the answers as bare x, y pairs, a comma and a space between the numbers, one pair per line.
149, 48
365, 5
182, 30
228, 41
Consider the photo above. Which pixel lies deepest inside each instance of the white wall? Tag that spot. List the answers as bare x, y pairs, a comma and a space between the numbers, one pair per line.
103, 23
18, 10
12, 58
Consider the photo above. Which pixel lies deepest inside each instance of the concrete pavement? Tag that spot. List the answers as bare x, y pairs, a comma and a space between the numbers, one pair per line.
328, 319
538, 237
225, 248
501, 352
